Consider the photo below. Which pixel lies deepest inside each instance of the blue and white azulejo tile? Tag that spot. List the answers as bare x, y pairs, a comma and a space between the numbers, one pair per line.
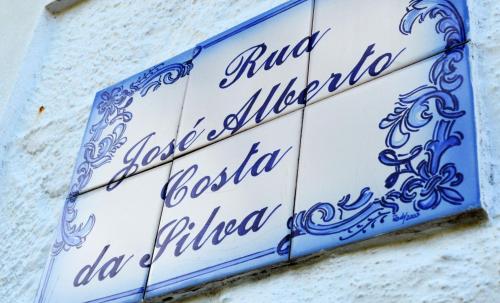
133, 125
104, 236
226, 208
365, 38
392, 153
249, 74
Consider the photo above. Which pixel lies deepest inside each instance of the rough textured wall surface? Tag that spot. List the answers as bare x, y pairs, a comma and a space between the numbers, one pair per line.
97, 43
14, 39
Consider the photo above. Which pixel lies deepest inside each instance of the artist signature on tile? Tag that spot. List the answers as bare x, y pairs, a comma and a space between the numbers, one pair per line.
404, 217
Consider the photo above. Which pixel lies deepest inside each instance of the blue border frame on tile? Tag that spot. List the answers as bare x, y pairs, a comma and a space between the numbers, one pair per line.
154, 289
121, 295
249, 23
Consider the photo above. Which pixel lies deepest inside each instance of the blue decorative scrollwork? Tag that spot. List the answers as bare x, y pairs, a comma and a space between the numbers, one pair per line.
449, 23
424, 180
105, 137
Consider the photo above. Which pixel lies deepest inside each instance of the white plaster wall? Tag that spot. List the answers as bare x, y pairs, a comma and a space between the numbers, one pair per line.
97, 43
18, 20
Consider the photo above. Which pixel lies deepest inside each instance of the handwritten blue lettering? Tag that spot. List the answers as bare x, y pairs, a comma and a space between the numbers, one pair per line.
179, 231
133, 160
247, 61
177, 187
289, 96
109, 269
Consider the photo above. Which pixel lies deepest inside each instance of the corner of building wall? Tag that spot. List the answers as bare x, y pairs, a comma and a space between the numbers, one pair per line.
484, 57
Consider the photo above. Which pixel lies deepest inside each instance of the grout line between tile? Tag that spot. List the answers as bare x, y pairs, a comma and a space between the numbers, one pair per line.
313, 3
123, 179
166, 182
154, 241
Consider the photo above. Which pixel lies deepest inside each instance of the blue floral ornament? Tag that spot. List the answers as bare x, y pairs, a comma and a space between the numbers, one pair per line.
450, 23
107, 135
425, 180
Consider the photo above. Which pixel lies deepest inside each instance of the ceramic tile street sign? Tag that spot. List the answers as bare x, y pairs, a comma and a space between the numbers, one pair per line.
265, 160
